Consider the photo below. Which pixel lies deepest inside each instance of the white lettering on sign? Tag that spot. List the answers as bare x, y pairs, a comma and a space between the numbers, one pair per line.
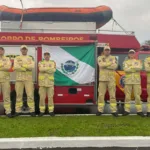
101, 44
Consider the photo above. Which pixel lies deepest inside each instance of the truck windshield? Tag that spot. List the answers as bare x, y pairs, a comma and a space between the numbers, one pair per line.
120, 58
142, 57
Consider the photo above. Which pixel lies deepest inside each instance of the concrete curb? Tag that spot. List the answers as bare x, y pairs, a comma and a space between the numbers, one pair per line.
74, 142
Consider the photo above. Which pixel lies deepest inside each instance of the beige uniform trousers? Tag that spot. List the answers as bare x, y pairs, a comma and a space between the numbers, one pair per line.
5, 90
49, 91
103, 86
137, 92
148, 99
19, 87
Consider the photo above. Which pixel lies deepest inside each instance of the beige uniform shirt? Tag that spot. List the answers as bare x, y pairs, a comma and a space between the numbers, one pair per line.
46, 73
132, 68
5, 65
23, 65
147, 68
107, 66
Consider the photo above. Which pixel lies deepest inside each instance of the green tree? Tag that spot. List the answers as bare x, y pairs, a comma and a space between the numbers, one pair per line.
147, 42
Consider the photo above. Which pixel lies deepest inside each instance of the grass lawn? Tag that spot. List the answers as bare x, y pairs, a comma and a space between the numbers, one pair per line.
74, 126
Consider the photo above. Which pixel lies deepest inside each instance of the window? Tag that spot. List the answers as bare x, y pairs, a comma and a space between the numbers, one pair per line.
121, 58
142, 57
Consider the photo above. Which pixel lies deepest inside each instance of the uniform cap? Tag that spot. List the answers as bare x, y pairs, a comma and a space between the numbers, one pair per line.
131, 51
46, 52
23, 46
107, 47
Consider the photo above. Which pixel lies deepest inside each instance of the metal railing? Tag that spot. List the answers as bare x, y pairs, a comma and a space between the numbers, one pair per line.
97, 31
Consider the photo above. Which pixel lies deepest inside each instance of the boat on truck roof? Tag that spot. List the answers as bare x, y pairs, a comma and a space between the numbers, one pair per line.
101, 14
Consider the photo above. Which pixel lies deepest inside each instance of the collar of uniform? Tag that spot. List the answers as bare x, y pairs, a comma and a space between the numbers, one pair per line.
2, 57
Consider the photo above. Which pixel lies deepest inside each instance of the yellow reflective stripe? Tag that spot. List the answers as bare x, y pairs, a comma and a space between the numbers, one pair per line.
42, 108
30, 73
102, 72
100, 104
128, 75
41, 77
19, 104
51, 78
113, 104
25, 66
51, 108
138, 106
148, 74
23, 69
127, 105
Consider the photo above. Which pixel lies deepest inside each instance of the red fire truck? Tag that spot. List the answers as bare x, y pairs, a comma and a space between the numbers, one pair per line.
81, 95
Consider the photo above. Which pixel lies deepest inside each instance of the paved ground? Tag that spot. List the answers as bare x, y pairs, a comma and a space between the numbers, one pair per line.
114, 148
72, 143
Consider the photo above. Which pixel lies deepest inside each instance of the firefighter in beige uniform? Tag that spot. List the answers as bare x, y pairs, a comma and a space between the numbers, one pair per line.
47, 68
107, 65
132, 68
5, 65
23, 66
147, 69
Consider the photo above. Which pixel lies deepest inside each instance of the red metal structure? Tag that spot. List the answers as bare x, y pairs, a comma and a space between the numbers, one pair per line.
85, 94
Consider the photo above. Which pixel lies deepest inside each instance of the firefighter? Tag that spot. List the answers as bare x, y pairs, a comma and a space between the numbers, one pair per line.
147, 69
107, 65
23, 65
132, 68
47, 68
5, 65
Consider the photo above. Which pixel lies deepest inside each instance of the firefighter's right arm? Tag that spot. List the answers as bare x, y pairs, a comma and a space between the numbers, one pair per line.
52, 67
6, 65
102, 63
42, 68
147, 65
127, 67
17, 65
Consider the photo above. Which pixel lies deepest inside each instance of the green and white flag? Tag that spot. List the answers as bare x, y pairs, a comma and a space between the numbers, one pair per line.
74, 64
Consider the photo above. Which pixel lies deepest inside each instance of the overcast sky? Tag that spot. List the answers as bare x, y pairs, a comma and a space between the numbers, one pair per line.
133, 15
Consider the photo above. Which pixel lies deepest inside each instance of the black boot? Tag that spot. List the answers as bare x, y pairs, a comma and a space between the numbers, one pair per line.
148, 114
141, 114
52, 114
40, 114
125, 113
16, 114
9, 115
33, 114
98, 113
115, 114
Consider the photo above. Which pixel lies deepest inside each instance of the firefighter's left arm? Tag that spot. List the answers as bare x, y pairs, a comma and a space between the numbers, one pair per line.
114, 64
30, 65
147, 64
52, 67
128, 67
139, 66
6, 65
42, 67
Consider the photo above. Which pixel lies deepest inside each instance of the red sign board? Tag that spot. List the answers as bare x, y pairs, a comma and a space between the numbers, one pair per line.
42, 37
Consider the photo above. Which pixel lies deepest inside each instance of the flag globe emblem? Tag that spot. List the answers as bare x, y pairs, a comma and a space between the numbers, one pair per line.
69, 67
